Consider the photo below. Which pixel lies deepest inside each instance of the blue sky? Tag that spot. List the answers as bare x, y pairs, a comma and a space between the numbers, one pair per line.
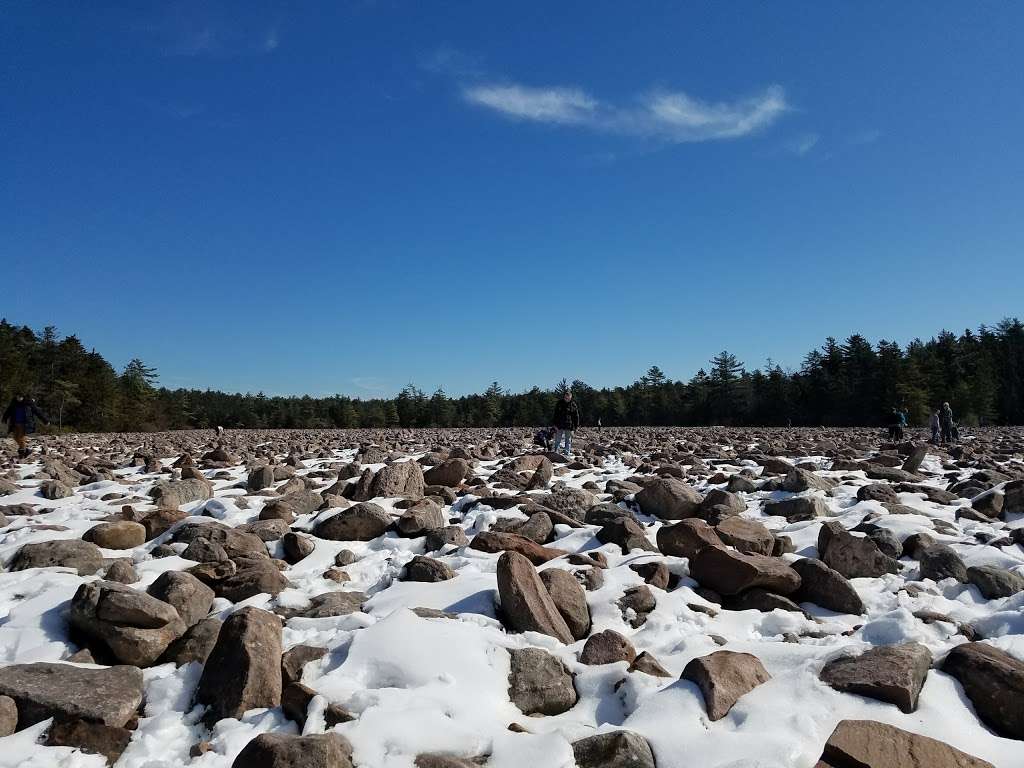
348, 196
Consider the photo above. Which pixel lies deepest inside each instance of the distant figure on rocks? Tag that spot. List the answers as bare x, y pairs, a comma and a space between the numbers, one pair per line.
220, 431
566, 421
946, 420
936, 425
544, 437
896, 420
20, 418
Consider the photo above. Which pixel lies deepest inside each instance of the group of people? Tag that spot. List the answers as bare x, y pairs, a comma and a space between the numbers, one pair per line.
20, 418
564, 422
944, 429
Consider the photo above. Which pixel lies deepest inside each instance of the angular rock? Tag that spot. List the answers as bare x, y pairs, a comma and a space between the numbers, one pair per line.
994, 582
891, 673
403, 478
607, 647
493, 541
730, 573
826, 587
84, 557
64, 692
668, 499
423, 516
188, 595
748, 536
615, 749
136, 627
295, 659
870, 744
90, 738
940, 561
450, 473
363, 522
124, 534
195, 645
539, 683
525, 602
427, 569
687, 537
244, 670
723, 677
993, 681
279, 750
798, 480
570, 600
853, 556
797, 509
627, 533
173, 493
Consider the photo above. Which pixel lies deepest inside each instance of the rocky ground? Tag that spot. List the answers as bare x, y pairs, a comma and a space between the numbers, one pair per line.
455, 598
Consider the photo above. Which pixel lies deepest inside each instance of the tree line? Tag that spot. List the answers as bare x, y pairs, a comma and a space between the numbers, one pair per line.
980, 373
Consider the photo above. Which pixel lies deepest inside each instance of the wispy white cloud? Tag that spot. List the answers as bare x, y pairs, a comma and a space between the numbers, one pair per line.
667, 115
803, 144
546, 105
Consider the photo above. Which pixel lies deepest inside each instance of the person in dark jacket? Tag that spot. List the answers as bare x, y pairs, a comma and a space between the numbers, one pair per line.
20, 418
544, 437
566, 420
946, 420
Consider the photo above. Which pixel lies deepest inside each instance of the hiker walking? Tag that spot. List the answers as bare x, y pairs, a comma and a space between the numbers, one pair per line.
20, 418
566, 421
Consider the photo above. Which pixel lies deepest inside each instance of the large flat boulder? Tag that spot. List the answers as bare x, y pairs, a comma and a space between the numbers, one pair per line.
65, 692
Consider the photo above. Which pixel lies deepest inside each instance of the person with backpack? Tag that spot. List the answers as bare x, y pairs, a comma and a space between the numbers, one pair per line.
20, 418
566, 421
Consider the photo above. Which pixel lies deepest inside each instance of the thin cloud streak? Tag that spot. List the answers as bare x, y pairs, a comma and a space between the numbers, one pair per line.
671, 116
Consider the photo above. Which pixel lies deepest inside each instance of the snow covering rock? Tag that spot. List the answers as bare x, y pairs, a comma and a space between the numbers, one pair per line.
420, 671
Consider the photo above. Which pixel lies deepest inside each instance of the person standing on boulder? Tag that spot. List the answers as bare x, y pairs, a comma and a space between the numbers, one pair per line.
20, 418
566, 420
